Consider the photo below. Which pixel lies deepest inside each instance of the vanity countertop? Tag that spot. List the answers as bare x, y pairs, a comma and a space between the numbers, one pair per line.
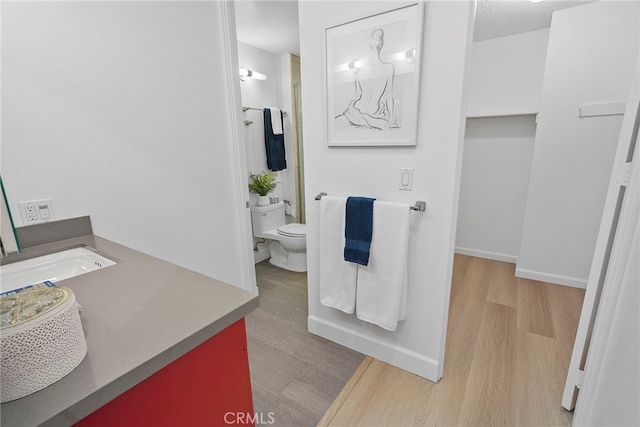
138, 316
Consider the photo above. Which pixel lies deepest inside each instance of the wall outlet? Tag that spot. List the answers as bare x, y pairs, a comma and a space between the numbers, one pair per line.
30, 212
36, 211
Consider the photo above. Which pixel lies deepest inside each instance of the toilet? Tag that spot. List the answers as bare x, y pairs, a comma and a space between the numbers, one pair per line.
289, 246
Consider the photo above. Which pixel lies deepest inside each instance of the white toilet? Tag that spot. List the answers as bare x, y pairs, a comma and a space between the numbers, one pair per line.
289, 247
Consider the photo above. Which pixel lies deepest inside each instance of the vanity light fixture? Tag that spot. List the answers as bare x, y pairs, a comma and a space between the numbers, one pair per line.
249, 74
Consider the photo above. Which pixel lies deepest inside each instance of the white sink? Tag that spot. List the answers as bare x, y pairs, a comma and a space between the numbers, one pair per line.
53, 267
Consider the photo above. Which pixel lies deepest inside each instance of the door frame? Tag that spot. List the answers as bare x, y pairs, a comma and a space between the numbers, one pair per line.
233, 101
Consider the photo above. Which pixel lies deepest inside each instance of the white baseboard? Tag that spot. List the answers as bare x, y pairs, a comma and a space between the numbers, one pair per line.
400, 357
552, 278
513, 259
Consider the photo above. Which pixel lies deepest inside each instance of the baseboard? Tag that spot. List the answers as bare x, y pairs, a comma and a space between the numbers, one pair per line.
399, 357
513, 259
551, 278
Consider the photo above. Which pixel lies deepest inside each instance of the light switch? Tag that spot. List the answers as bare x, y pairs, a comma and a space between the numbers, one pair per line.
43, 211
406, 179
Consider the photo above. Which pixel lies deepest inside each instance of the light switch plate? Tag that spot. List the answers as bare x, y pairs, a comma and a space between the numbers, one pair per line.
406, 179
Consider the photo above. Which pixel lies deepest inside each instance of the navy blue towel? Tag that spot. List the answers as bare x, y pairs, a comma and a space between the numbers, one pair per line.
274, 144
358, 229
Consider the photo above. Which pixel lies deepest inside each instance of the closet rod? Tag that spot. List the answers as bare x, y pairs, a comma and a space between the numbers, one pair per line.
258, 109
420, 205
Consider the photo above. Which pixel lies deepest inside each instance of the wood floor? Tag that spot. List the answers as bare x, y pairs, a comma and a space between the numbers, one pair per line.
509, 343
295, 375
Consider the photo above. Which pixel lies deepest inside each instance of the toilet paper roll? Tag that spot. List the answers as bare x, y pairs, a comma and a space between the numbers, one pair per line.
290, 210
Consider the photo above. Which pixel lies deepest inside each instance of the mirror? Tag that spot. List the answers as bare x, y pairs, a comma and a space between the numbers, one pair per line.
8, 236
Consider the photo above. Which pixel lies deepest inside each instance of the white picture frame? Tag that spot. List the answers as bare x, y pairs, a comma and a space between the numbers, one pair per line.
372, 79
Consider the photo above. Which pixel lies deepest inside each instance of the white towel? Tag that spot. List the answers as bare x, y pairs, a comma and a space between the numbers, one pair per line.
337, 276
382, 285
276, 121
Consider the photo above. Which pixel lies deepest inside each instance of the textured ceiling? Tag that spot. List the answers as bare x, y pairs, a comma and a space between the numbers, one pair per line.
498, 18
272, 25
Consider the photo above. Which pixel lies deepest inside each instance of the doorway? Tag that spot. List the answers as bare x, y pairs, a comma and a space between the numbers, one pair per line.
272, 51
553, 191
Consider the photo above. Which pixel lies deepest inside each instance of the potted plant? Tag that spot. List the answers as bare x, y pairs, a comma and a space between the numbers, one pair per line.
262, 184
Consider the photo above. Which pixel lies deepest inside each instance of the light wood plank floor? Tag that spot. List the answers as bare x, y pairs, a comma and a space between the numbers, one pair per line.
509, 343
295, 376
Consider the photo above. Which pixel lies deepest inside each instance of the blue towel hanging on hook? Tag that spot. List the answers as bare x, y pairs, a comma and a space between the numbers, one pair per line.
274, 144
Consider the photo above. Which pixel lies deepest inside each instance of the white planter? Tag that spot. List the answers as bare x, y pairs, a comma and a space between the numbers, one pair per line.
264, 201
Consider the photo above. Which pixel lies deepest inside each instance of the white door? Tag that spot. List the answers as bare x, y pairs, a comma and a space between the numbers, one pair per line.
610, 392
615, 195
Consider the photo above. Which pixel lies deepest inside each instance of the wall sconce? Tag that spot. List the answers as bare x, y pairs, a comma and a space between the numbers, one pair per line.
248, 74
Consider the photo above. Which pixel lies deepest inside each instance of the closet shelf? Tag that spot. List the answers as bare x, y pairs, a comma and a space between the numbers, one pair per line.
499, 115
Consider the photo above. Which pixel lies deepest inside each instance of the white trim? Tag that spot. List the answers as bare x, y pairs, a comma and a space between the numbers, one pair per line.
557, 279
501, 121
456, 195
602, 109
400, 357
233, 100
501, 115
513, 259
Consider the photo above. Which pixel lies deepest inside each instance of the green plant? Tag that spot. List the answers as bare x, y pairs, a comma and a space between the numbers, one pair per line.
262, 183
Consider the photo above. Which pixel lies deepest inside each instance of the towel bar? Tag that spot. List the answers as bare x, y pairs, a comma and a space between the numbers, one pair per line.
245, 109
420, 205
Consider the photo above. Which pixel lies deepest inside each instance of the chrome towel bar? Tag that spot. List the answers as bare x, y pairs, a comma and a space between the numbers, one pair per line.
420, 206
245, 109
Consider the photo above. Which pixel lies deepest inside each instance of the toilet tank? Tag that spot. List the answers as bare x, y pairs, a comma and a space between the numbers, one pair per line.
267, 218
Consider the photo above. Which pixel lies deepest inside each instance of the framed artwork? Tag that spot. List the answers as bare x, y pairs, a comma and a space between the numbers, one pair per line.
372, 82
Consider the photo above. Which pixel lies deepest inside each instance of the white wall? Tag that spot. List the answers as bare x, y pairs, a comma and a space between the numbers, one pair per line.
505, 75
505, 79
116, 110
591, 57
418, 343
493, 187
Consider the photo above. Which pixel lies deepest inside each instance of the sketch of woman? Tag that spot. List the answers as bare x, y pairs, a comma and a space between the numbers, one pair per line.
373, 106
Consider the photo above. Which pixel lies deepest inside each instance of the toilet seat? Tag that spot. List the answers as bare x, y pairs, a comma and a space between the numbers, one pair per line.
293, 230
